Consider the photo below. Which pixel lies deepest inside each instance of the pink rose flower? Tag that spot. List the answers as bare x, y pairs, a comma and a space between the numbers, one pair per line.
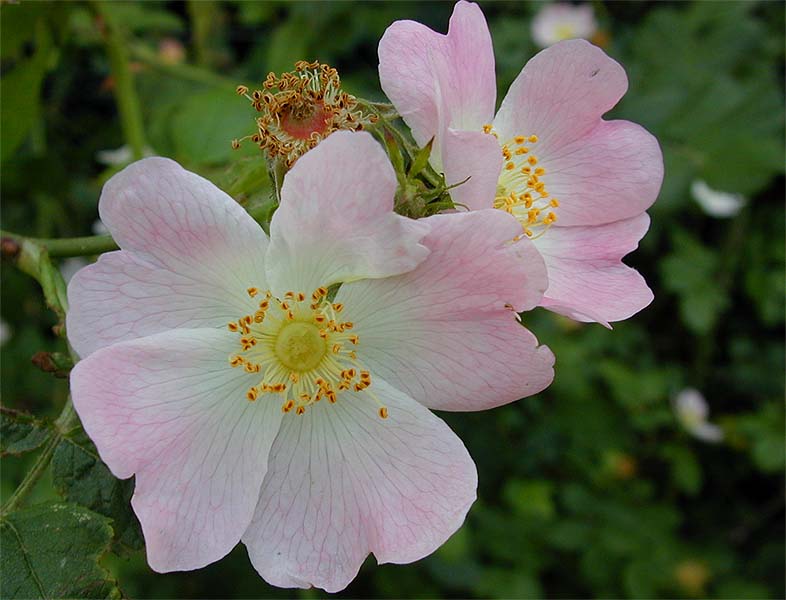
252, 408
547, 157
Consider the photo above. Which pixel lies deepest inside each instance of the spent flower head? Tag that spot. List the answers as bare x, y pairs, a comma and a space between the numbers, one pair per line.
250, 405
301, 108
577, 184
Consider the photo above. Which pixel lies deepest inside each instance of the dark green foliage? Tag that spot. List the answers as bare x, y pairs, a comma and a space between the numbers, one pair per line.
81, 477
20, 432
50, 551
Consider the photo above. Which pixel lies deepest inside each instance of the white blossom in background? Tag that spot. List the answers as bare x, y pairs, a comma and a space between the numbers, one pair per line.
557, 22
99, 228
70, 266
120, 156
692, 411
715, 203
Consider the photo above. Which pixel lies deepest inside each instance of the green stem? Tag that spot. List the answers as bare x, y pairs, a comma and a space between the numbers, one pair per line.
63, 425
128, 105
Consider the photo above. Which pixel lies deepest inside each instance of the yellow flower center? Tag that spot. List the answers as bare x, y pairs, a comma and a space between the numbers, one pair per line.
301, 348
521, 190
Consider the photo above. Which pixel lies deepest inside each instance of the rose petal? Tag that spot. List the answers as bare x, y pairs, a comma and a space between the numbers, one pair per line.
179, 221
442, 332
171, 410
437, 81
336, 221
612, 173
587, 280
560, 94
123, 297
474, 155
342, 482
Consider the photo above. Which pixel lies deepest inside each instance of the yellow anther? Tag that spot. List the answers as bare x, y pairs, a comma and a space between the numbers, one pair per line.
510, 166
554, 202
540, 171
519, 139
532, 160
232, 326
235, 361
336, 348
533, 139
338, 307
487, 128
383, 412
522, 150
252, 394
252, 291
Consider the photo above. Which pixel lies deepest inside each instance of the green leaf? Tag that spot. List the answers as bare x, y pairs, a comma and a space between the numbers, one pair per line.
691, 272
20, 89
206, 123
287, 46
685, 469
21, 432
533, 499
81, 477
17, 26
51, 551
421, 159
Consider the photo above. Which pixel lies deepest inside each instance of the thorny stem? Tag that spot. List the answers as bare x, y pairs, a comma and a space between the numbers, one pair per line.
128, 105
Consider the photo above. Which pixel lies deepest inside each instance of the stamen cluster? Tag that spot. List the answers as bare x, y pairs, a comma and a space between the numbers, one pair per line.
300, 108
302, 350
521, 191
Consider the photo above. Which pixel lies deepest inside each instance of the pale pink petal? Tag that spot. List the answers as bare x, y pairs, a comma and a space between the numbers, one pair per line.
437, 81
179, 221
612, 173
587, 280
442, 332
336, 221
342, 482
474, 155
561, 94
123, 296
171, 410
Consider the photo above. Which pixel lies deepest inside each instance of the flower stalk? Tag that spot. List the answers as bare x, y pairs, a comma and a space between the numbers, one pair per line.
128, 105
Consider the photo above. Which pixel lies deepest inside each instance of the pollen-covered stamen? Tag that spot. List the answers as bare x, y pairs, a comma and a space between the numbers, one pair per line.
302, 350
300, 109
521, 190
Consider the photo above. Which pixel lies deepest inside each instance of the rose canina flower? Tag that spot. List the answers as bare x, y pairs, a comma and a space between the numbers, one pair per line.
579, 185
252, 407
